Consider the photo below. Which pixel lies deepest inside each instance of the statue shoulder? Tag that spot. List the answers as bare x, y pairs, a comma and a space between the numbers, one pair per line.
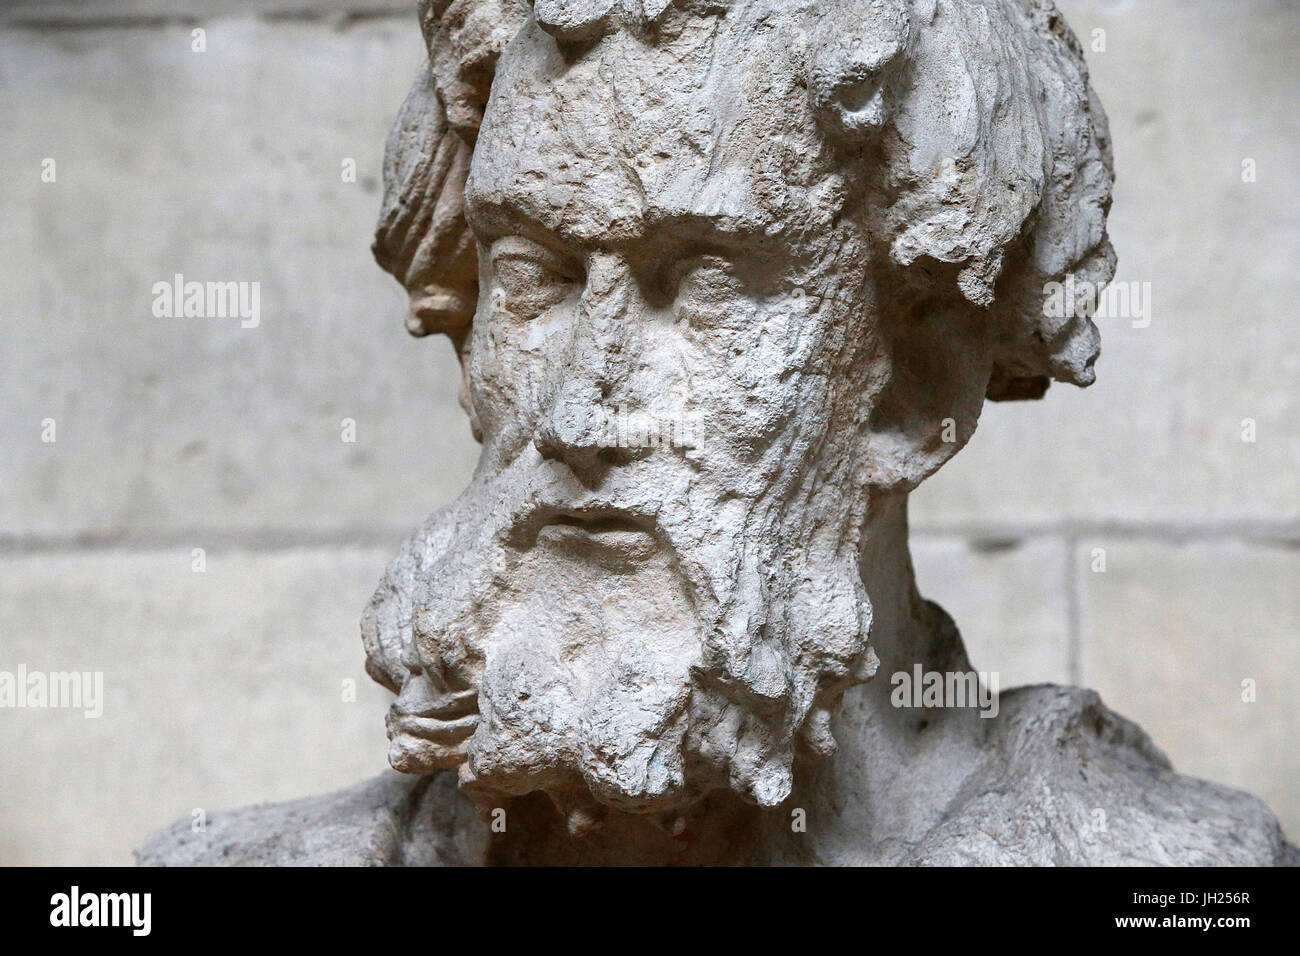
1070, 782
391, 820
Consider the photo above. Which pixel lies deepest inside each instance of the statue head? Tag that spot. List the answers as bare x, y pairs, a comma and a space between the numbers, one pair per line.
727, 279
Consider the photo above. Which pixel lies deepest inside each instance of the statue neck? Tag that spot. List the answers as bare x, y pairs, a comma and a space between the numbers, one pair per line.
905, 630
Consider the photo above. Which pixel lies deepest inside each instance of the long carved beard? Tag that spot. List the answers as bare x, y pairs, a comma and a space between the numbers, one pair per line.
637, 675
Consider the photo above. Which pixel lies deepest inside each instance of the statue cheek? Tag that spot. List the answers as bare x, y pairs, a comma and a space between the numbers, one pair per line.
507, 388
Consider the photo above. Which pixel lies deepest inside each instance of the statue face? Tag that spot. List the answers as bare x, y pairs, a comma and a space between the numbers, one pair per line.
639, 627
650, 274
696, 366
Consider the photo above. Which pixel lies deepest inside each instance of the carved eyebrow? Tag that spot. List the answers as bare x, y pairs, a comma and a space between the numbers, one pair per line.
706, 229
493, 217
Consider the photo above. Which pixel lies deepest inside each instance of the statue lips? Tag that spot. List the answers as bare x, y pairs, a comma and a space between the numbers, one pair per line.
601, 532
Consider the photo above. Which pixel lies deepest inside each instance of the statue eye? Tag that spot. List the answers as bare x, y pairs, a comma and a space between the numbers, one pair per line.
530, 277
709, 293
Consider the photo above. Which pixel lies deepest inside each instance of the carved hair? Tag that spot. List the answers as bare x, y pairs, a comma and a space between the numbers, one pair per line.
986, 176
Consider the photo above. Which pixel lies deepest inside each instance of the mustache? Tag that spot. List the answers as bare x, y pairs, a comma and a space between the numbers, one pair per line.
511, 505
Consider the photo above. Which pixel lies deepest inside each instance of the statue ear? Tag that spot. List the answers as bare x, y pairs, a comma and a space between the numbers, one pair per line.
422, 238
939, 358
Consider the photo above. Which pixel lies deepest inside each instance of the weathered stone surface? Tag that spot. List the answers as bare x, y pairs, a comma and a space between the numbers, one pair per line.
391, 820
814, 309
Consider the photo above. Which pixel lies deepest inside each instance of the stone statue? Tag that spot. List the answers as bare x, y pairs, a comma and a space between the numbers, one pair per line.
727, 280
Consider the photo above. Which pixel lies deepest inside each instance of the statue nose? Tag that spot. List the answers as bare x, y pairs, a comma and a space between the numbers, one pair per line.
572, 427
575, 424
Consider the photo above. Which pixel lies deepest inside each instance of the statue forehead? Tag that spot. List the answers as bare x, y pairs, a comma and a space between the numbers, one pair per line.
712, 123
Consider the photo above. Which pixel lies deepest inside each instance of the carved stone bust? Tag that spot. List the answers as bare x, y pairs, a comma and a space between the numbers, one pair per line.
727, 279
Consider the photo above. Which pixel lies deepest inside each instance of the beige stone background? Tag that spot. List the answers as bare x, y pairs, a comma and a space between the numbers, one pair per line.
227, 687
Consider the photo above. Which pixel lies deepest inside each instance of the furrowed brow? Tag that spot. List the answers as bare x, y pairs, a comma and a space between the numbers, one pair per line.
492, 217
